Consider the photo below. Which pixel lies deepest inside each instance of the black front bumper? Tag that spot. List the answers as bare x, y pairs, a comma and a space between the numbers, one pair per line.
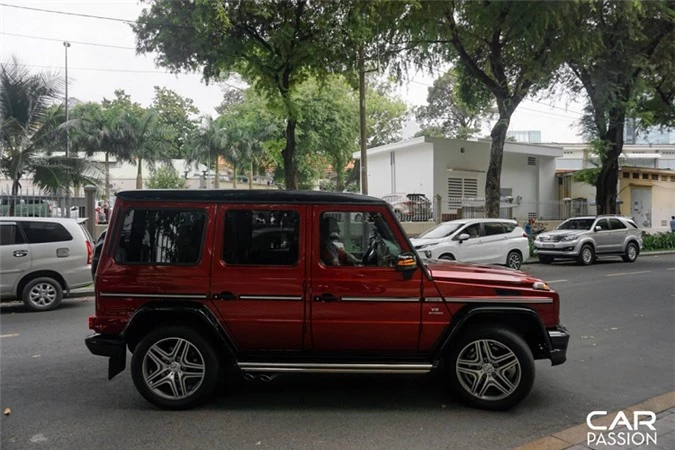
113, 347
559, 338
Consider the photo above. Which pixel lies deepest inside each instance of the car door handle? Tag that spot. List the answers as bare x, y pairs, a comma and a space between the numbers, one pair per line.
227, 295
325, 298
20, 253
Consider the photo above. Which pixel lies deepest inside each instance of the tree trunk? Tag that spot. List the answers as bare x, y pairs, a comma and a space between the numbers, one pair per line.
250, 177
15, 194
139, 174
288, 153
494, 173
340, 182
216, 181
606, 187
107, 175
234, 176
363, 143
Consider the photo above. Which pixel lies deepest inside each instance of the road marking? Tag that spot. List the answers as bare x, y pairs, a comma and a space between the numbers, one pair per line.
557, 281
670, 268
9, 335
627, 273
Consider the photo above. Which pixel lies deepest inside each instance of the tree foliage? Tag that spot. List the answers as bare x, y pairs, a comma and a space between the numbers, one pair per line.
166, 177
625, 66
457, 105
386, 114
175, 114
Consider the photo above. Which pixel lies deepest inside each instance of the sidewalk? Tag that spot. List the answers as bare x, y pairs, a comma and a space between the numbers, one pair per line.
581, 437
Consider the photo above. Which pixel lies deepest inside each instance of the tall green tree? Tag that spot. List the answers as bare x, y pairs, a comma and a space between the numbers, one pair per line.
273, 44
511, 48
386, 114
29, 122
625, 67
176, 115
208, 143
448, 113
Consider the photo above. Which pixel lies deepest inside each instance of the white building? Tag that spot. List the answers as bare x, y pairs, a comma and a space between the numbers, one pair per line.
457, 169
580, 156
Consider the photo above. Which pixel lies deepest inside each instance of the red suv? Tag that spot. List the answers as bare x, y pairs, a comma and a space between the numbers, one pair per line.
271, 282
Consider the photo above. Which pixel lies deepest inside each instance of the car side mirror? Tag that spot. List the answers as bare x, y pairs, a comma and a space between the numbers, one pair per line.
464, 237
598, 228
406, 263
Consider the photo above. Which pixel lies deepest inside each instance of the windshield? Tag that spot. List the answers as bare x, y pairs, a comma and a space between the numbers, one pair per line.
577, 224
440, 231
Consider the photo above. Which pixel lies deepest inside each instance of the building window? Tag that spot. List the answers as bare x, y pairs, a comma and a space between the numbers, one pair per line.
461, 188
531, 161
626, 174
645, 176
655, 177
636, 176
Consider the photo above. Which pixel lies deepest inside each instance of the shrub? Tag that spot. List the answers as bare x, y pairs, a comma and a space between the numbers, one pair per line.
659, 241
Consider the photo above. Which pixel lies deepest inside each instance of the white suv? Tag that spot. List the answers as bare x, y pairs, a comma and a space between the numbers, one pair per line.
484, 241
43, 258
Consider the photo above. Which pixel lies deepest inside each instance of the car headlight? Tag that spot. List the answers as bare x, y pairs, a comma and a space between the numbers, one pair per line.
420, 247
569, 238
540, 286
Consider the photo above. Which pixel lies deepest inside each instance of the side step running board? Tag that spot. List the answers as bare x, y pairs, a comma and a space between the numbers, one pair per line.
334, 368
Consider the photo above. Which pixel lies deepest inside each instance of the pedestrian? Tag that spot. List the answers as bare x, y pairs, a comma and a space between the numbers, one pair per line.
528, 227
672, 224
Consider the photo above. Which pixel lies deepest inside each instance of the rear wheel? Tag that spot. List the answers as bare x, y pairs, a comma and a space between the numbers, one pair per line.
490, 368
631, 253
175, 367
545, 259
514, 260
447, 257
42, 294
586, 255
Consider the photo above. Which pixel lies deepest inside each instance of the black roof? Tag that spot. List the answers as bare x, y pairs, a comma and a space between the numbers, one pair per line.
248, 196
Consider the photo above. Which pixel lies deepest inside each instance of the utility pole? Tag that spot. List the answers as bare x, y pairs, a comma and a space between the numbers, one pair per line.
362, 119
66, 44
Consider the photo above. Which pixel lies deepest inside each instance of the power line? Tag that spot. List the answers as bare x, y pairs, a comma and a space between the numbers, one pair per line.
66, 13
72, 42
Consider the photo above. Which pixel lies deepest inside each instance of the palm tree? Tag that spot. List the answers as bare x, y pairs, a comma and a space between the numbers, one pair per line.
29, 125
148, 139
208, 144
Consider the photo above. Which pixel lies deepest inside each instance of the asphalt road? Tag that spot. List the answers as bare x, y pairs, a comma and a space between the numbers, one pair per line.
622, 351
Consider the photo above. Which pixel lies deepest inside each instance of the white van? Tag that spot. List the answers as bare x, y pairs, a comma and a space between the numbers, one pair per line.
482, 241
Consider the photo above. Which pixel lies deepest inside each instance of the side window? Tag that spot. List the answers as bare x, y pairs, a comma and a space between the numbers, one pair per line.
602, 223
472, 230
493, 228
631, 223
161, 237
356, 239
44, 232
616, 224
509, 227
10, 234
259, 237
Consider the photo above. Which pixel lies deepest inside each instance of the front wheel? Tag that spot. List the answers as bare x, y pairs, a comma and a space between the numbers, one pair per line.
586, 255
490, 368
631, 253
175, 367
447, 257
514, 260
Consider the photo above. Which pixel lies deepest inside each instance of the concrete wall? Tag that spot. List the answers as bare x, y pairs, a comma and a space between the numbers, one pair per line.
379, 175
662, 199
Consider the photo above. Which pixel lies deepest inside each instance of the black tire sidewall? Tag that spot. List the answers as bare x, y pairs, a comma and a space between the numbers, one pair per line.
581, 261
447, 257
55, 304
626, 258
211, 361
506, 337
508, 258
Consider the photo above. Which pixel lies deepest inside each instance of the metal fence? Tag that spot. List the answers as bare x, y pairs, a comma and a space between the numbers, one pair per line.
39, 204
522, 210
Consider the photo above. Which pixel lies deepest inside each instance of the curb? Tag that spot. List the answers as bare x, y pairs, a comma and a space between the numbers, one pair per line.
535, 260
577, 434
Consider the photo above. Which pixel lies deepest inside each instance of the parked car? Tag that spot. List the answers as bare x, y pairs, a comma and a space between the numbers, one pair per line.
191, 282
587, 238
26, 206
483, 241
42, 259
410, 207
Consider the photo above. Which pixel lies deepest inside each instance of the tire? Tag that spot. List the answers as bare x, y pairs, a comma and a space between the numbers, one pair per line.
544, 259
447, 257
514, 260
494, 361
164, 356
586, 255
42, 294
631, 253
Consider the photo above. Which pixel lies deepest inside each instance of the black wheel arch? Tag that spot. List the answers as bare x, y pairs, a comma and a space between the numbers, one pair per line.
194, 315
523, 321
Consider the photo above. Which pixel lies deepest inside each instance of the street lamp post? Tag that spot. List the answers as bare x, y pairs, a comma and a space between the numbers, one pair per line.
66, 44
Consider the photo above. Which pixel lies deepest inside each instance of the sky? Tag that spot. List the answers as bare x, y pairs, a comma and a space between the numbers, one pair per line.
35, 39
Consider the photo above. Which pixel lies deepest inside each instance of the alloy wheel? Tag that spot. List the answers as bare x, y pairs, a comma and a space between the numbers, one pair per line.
488, 370
173, 368
42, 295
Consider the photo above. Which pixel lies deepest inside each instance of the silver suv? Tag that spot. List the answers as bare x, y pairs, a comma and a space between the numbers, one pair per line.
41, 259
586, 238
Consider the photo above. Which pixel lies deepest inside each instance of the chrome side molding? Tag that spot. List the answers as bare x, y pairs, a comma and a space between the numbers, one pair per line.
334, 368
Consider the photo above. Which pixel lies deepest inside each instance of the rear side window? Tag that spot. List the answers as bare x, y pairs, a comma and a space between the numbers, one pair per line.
616, 224
509, 227
44, 232
493, 228
161, 237
10, 234
268, 238
631, 223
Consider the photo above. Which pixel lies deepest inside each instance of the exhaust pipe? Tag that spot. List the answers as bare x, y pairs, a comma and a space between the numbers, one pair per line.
267, 378
248, 376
